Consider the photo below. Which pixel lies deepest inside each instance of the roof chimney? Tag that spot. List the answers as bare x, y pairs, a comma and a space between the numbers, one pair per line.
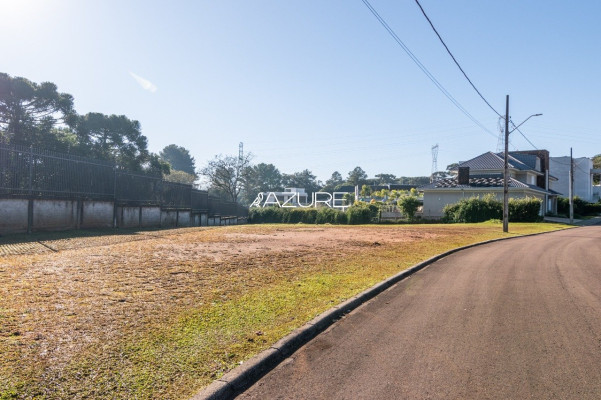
463, 177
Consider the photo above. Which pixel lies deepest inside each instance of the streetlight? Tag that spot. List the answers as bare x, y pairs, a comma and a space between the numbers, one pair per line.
506, 165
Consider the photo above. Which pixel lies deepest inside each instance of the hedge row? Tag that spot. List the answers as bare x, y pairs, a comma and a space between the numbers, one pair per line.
581, 207
357, 214
476, 209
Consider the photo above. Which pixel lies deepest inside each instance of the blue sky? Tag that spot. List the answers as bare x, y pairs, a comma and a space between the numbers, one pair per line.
320, 85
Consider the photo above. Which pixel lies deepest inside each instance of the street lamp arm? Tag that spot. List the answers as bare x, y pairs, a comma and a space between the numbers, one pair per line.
533, 115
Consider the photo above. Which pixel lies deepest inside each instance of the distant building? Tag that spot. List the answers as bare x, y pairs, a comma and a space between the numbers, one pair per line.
583, 177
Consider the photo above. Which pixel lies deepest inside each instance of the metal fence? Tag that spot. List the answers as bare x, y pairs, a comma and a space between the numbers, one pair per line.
30, 172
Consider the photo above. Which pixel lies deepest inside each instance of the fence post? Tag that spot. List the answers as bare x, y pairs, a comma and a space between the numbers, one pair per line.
115, 196
160, 189
30, 193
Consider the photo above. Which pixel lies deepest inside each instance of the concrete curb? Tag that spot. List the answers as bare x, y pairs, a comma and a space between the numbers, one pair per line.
241, 378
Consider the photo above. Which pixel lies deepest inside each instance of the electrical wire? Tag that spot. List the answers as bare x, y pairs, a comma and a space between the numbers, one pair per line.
521, 133
465, 74
424, 69
455, 60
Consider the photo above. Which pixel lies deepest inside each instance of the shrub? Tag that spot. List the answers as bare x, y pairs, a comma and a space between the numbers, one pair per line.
309, 216
341, 218
265, 215
524, 210
409, 205
474, 209
362, 213
293, 215
581, 207
592, 209
326, 215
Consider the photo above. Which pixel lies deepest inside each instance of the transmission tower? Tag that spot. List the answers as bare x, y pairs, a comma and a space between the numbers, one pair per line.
434, 161
240, 151
501, 141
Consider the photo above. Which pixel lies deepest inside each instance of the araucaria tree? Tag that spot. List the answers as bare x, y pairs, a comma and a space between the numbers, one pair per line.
33, 114
29, 111
260, 178
179, 158
225, 175
356, 177
303, 179
113, 137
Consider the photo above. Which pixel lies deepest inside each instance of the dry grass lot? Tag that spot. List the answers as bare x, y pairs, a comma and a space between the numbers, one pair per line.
160, 314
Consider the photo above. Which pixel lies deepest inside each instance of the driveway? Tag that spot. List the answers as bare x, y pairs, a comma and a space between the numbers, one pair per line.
514, 319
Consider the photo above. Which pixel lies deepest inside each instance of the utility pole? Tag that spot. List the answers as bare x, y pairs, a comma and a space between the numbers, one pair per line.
239, 168
571, 188
506, 170
506, 164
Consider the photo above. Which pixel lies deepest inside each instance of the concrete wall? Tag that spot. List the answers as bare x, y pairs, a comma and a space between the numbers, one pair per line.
168, 218
583, 183
54, 215
51, 215
13, 216
128, 217
183, 218
151, 217
96, 214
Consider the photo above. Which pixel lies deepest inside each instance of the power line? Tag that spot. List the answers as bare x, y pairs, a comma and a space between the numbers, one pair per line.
465, 75
424, 69
521, 133
455, 60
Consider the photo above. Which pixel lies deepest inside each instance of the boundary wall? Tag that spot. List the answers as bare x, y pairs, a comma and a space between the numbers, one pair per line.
22, 215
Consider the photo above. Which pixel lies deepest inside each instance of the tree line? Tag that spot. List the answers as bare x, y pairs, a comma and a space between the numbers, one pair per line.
39, 115
239, 180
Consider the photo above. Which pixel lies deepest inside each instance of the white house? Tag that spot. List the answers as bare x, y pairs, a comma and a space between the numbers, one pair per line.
583, 177
482, 175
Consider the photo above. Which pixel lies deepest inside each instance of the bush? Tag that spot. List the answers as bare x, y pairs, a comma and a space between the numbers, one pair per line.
326, 215
265, 215
581, 207
473, 209
362, 213
409, 205
524, 210
592, 209
274, 215
293, 215
309, 215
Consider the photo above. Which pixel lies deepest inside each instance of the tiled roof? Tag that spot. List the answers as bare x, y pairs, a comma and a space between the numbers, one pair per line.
527, 159
492, 161
482, 181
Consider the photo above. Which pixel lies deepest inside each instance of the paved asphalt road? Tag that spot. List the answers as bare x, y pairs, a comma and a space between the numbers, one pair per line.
516, 319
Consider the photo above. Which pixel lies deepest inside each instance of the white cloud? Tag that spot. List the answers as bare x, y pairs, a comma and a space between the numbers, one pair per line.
144, 83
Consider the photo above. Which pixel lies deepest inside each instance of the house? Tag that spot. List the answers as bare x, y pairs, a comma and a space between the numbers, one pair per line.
583, 177
528, 177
